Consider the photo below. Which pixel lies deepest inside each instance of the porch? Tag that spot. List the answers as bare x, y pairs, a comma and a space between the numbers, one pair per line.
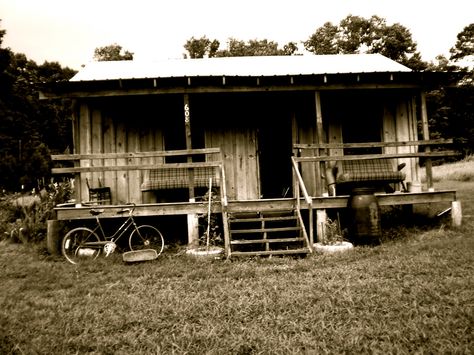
262, 236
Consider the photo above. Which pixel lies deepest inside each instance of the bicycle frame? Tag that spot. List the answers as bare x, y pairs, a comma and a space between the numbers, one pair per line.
129, 222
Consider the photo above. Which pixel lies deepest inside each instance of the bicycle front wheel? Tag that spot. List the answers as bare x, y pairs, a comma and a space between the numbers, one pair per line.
146, 237
75, 246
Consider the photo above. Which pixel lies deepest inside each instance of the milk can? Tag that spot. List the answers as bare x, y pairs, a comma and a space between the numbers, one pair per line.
364, 217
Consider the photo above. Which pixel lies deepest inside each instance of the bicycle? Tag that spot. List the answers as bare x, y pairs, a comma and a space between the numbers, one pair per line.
83, 243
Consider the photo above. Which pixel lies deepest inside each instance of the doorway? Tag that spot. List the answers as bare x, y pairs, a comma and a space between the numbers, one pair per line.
275, 150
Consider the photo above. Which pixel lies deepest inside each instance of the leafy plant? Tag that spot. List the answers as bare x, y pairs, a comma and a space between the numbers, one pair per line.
332, 232
210, 223
24, 217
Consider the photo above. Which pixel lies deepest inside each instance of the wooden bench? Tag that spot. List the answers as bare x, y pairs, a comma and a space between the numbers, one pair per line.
176, 178
370, 170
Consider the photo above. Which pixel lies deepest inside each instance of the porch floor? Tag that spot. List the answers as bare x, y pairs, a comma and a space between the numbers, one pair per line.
184, 208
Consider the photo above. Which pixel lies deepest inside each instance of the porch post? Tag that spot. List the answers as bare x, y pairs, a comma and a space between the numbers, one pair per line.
321, 187
193, 223
426, 136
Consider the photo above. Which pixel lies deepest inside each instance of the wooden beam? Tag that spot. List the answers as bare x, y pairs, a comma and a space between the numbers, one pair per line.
183, 208
446, 153
189, 145
426, 135
321, 188
94, 169
193, 223
456, 213
373, 144
131, 155
225, 89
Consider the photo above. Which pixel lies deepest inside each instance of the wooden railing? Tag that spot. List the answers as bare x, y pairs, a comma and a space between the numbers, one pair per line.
322, 153
300, 187
83, 164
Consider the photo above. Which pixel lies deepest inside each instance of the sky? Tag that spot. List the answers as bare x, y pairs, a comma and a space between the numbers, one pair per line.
68, 31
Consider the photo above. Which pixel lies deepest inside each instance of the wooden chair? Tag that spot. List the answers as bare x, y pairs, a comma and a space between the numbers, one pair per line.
99, 195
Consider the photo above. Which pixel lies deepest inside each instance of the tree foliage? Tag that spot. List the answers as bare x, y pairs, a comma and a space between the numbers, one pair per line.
112, 52
356, 34
464, 46
204, 47
201, 47
452, 108
30, 129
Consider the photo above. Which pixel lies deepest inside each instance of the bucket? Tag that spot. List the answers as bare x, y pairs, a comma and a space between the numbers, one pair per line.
364, 217
414, 186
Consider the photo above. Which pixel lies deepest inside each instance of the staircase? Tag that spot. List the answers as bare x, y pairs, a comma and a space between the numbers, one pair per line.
260, 233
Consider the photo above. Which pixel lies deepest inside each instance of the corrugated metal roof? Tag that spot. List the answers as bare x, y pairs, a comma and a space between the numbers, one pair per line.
240, 66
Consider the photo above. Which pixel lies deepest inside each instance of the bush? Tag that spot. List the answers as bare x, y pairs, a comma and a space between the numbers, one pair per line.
23, 218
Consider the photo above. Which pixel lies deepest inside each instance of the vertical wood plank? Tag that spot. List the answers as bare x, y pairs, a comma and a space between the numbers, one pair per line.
294, 140
426, 136
308, 171
389, 127
335, 136
110, 177
122, 176
96, 145
389, 133
413, 137
239, 169
85, 147
403, 133
76, 148
133, 145
253, 169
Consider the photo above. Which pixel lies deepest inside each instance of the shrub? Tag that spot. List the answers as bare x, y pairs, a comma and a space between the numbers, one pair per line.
24, 217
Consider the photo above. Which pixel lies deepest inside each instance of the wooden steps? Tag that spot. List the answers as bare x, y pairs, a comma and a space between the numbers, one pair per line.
266, 233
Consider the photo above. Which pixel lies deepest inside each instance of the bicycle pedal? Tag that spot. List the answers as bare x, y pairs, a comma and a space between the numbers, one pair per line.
109, 248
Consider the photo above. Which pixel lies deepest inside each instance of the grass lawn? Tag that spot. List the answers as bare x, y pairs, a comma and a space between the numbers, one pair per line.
412, 294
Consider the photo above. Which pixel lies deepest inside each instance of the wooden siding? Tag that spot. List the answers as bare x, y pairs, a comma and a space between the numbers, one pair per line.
306, 134
395, 114
120, 125
239, 149
105, 129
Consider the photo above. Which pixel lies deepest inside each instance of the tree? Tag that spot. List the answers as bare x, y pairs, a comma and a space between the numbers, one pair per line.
255, 47
111, 53
452, 108
464, 46
201, 47
204, 47
324, 40
356, 34
29, 128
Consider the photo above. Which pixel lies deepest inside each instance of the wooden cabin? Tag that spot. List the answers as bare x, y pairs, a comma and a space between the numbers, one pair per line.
282, 138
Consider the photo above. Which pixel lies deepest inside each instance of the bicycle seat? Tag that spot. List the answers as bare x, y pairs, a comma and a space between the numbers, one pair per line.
123, 210
96, 212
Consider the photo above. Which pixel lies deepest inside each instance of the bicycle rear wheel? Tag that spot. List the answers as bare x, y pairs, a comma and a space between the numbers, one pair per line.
75, 248
146, 237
